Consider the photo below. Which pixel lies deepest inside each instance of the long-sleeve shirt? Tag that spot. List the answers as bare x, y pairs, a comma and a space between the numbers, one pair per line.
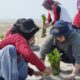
71, 46
58, 13
23, 49
8, 33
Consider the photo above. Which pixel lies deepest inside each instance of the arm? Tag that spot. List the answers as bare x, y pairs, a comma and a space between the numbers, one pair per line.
46, 47
33, 72
49, 17
77, 68
56, 10
23, 49
76, 54
74, 72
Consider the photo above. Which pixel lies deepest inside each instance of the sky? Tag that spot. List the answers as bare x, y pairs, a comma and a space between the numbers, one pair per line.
14, 9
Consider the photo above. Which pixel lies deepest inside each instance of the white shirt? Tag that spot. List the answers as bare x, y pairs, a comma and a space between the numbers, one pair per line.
64, 15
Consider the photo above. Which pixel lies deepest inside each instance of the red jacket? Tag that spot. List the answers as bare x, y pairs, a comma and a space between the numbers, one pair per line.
22, 47
76, 20
56, 11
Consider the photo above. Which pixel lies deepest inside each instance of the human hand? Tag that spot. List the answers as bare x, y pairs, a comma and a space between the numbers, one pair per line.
71, 76
37, 73
47, 25
47, 71
32, 40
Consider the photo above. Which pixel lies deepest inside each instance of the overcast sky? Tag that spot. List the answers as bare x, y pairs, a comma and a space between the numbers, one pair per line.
14, 9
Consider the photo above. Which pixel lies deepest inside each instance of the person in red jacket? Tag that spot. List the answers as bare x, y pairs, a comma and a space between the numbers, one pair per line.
76, 21
15, 52
31, 41
57, 10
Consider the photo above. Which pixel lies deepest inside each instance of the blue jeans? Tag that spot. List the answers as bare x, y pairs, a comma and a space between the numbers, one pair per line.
10, 69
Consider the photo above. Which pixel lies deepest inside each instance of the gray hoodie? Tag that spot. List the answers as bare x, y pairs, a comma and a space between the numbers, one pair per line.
72, 43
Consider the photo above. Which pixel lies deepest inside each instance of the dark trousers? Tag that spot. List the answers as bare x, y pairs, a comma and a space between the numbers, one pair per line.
66, 59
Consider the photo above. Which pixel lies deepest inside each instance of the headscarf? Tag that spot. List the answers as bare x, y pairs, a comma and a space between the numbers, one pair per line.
25, 27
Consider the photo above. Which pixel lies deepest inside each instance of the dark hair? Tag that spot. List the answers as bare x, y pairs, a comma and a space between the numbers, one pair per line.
47, 4
25, 27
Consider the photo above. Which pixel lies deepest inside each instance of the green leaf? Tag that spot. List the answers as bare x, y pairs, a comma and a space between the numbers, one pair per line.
54, 57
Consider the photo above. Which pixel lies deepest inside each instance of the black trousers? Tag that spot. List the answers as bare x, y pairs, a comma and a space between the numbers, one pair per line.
66, 59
